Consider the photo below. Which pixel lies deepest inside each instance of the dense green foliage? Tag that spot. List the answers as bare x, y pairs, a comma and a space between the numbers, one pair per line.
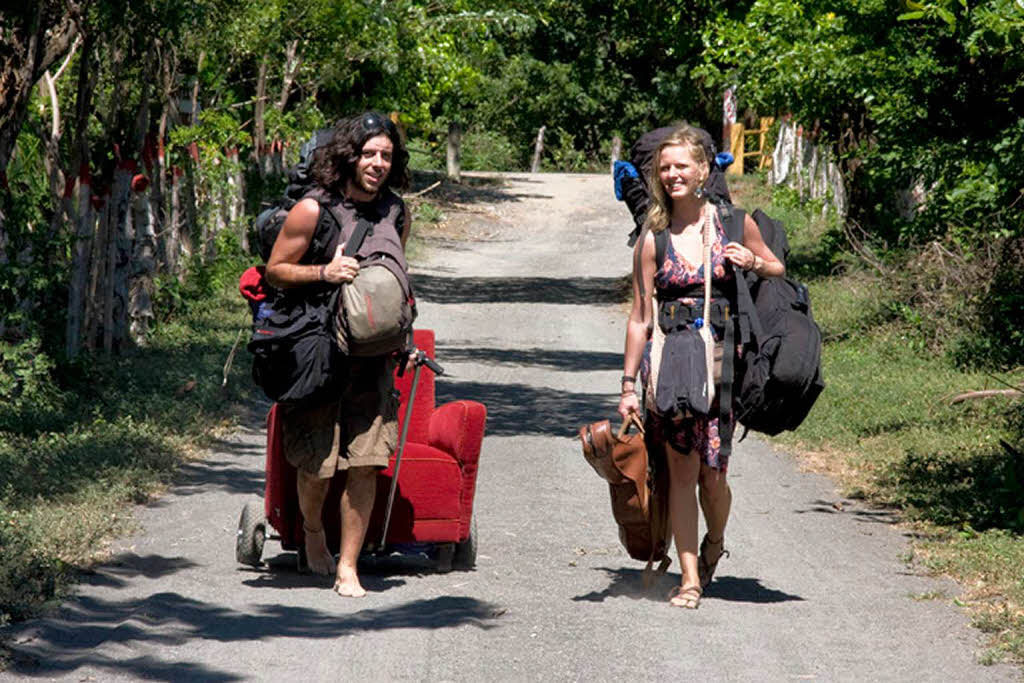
899, 100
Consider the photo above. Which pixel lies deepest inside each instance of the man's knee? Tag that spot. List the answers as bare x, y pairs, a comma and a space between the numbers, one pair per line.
310, 483
362, 478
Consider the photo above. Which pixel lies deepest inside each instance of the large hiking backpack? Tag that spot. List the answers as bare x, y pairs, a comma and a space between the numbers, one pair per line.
631, 176
781, 375
267, 225
783, 379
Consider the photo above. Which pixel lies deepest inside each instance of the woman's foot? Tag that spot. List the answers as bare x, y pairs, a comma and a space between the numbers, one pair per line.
318, 557
687, 597
707, 561
347, 584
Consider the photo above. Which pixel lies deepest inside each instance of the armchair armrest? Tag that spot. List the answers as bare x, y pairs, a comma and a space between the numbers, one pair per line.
458, 428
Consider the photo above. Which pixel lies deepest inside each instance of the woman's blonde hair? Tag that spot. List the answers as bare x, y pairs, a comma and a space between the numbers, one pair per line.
659, 213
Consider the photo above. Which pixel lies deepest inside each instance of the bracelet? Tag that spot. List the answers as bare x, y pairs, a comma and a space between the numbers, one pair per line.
628, 378
753, 266
323, 270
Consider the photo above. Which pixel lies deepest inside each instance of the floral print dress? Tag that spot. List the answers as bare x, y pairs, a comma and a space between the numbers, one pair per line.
691, 433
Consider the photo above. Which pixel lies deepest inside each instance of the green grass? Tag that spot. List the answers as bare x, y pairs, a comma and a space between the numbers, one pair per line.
73, 457
886, 428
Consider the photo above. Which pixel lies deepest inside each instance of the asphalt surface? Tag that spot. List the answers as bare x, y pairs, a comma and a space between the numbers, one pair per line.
529, 322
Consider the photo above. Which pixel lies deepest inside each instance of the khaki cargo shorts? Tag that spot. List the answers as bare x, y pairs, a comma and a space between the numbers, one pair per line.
359, 429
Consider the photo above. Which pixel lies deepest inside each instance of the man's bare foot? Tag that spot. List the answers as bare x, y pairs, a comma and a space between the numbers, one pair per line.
318, 557
347, 584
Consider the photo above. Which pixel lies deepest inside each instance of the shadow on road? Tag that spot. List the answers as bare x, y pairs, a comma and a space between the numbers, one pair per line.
629, 583
568, 361
879, 515
377, 572
537, 290
736, 589
126, 566
174, 621
471, 189
517, 409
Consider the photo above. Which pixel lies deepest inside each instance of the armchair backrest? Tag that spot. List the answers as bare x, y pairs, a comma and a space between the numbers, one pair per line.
423, 407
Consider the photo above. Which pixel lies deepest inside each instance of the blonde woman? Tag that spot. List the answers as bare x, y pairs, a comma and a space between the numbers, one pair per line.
692, 445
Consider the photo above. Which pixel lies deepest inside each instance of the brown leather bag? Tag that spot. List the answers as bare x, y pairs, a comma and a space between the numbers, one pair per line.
639, 501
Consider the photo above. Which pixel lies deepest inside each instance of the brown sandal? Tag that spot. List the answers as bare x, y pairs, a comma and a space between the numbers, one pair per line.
705, 568
685, 597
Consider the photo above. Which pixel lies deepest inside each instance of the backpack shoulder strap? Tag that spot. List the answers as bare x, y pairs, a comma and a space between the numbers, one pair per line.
732, 221
660, 248
363, 227
354, 242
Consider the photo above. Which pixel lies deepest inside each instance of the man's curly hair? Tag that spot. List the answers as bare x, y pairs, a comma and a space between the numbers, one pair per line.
334, 164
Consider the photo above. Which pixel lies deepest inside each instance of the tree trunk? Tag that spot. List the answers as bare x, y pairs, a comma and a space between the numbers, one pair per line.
259, 134
195, 89
35, 36
119, 249
189, 200
455, 151
94, 300
140, 312
291, 67
616, 151
81, 249
173, 243
85, 221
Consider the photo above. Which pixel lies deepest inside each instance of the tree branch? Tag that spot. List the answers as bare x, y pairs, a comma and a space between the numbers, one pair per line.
985, 393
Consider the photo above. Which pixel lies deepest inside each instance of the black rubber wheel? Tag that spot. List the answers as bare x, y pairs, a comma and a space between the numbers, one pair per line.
465, 552
445, 557
252, 532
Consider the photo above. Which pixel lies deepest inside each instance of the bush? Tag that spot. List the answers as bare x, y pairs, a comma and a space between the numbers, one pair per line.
982, 489
488, 151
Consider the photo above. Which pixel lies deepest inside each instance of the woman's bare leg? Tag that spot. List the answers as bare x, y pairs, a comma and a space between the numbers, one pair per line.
715, 502
683, 472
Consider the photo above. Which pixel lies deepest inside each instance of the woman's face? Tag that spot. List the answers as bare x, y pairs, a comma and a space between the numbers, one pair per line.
680, 173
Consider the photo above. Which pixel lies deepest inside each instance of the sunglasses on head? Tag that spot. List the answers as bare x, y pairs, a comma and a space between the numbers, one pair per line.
372, 122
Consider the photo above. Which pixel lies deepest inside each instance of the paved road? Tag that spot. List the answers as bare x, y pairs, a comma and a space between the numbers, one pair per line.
528, 322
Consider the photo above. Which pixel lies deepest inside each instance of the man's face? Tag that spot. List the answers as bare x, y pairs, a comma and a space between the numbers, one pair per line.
373, 165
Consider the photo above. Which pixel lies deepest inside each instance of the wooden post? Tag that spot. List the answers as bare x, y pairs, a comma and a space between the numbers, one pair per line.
538, 150
81, 250
616, 151
766, 160
736, 148
728, 116
454, 151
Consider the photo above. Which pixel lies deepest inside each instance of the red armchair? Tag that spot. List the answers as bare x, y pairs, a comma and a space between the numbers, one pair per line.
436, 482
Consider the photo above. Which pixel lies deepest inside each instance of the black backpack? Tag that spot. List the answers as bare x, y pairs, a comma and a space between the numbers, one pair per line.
267, 225
295, 354
295, 357
783, 379
631, 178
781, 376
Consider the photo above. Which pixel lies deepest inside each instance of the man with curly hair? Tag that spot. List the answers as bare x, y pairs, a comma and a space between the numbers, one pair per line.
354, 433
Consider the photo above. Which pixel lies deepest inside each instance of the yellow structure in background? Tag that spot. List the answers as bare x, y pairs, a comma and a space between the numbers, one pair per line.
737, 145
